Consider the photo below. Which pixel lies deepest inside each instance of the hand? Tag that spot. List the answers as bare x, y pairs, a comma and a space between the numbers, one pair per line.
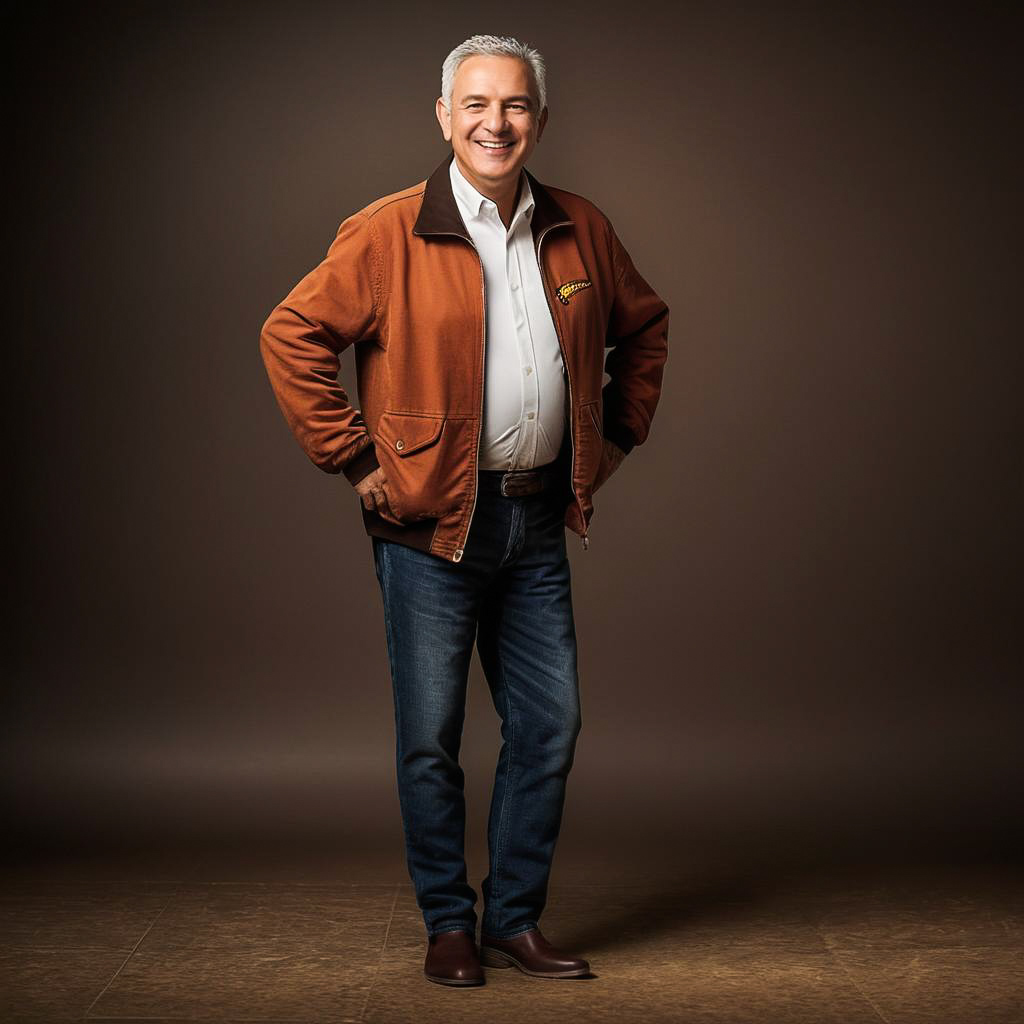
372, 490
613, 456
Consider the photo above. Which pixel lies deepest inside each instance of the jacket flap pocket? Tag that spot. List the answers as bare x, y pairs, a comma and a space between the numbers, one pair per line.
408, 432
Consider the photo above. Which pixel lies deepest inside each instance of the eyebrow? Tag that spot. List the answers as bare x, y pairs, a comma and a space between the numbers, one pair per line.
508, 99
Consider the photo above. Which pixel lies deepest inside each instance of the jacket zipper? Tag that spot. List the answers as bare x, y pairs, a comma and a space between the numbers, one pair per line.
457, 557
568, 377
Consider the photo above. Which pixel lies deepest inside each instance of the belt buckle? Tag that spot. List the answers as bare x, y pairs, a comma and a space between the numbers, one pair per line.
518, 482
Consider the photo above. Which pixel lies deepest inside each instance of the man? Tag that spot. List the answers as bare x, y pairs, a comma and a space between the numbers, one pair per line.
480, 303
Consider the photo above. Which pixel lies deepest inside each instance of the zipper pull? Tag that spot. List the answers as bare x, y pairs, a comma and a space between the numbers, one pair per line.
586, 542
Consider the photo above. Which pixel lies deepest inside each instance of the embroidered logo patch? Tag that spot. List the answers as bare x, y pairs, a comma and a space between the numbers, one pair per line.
570, 288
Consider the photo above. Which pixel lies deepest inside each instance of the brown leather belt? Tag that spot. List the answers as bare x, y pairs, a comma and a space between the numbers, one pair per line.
515, 483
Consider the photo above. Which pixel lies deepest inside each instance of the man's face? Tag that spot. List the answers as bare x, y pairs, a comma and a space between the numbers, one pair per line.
493, 101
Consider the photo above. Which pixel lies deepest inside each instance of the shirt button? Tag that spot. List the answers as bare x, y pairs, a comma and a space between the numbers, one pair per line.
530, 415
515, 285
529, 369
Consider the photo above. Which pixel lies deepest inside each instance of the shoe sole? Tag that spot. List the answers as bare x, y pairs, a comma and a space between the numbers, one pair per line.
490, 957
454, 981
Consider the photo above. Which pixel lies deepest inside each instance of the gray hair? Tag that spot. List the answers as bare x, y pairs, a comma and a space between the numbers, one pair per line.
493, 46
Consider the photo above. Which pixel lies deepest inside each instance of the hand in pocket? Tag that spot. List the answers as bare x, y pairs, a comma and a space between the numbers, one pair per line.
375, 494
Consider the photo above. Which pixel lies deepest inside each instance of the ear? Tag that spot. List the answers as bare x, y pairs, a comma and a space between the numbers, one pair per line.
444, 119
541, 121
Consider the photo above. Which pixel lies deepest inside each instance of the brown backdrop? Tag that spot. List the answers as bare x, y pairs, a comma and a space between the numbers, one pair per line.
796, 613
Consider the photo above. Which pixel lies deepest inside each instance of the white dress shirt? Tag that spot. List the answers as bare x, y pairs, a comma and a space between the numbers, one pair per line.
524, 388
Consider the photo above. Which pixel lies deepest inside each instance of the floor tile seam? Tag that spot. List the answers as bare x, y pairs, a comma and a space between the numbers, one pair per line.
32, 892
100, 899
95, 881
387, 886
62, 947
910, 946
876, 1010
9, 891
380, 957
196, 1020
131, 953
169, 948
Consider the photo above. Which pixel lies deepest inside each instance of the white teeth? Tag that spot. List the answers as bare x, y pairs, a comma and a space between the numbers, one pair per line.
494, 145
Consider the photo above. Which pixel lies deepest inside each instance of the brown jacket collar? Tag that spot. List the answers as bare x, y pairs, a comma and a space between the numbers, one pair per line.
439, 213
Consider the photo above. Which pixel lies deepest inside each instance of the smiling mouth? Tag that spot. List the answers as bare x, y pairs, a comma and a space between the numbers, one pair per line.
494, 147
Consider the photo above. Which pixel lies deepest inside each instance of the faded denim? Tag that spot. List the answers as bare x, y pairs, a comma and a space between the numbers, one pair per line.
510, 596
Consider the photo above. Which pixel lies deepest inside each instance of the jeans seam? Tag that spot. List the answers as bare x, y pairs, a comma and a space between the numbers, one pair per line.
496, 889
388, 628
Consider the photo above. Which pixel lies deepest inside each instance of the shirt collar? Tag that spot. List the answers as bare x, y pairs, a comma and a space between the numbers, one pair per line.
472, 201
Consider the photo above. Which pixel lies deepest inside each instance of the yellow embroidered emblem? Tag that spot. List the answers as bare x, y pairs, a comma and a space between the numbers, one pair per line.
569, 289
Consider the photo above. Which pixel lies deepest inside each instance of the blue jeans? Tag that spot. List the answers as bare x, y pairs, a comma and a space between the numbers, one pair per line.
510, 595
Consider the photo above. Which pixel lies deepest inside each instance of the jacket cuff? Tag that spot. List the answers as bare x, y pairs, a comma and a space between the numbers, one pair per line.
362, 465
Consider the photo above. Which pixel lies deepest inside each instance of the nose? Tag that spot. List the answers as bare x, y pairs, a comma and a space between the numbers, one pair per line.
495, 119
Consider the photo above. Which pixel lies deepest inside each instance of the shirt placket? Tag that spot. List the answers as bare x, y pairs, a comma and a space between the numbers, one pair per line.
526, 448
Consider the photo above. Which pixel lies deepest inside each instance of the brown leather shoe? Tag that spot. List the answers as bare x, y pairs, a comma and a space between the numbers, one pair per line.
532, 954
453, 959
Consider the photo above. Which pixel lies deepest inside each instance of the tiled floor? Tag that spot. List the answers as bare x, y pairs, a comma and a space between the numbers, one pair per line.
941, 946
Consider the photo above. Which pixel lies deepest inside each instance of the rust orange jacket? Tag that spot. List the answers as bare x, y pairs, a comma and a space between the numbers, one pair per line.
403, 283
